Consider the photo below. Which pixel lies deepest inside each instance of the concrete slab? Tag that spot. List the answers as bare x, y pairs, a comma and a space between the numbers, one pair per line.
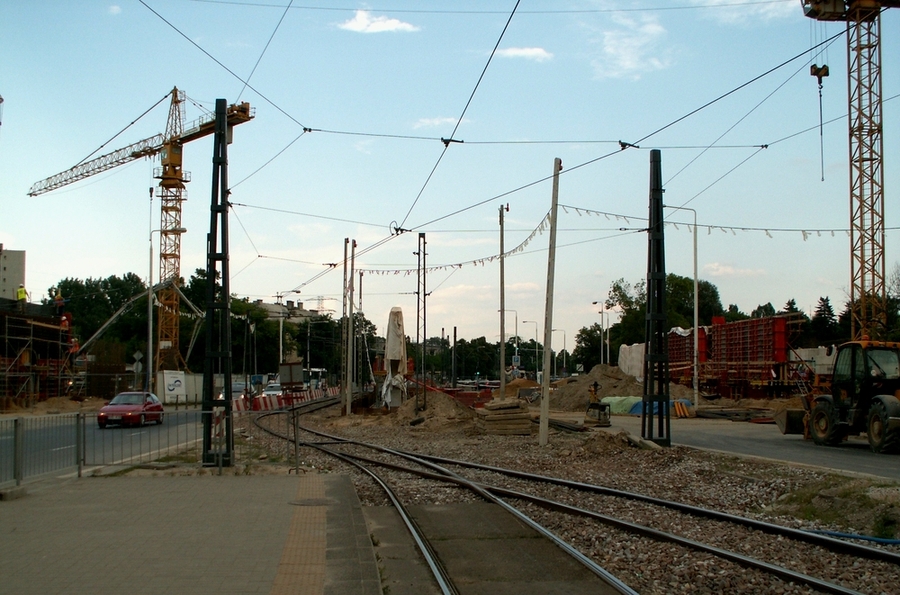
487, 551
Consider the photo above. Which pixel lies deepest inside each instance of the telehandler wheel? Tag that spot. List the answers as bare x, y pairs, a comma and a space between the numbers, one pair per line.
823, 425
880, 439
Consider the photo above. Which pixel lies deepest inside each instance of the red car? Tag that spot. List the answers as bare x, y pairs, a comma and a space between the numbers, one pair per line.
131, 409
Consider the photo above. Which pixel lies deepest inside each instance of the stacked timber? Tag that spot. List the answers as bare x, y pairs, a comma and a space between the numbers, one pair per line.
503, 416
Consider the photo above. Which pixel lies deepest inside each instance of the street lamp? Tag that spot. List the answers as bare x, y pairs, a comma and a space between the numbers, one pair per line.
150, 306
536, 360
281, 316
517, 329
603, 314
696, 311
564, 348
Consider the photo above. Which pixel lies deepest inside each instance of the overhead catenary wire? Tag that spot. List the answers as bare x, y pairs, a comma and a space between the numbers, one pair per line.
490, 12
463, 114
263, 53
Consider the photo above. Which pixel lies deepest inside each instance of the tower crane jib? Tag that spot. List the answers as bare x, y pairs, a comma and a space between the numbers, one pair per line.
172, 193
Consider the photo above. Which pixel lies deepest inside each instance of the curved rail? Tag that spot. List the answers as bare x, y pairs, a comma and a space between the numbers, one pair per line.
821, 540
776, 570
440, 573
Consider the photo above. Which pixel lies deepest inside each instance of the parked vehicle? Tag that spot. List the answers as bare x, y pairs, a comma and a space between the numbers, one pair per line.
272, 390
864, 384
866, 377
131, 409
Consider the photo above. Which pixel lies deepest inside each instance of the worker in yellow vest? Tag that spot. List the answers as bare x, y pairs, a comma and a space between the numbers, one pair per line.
21, 297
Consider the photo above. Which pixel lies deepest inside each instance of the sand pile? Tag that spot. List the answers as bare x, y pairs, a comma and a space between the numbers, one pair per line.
613, 382
441, 410
513, 386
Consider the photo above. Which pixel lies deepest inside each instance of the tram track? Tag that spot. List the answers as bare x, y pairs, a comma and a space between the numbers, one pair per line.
576, 500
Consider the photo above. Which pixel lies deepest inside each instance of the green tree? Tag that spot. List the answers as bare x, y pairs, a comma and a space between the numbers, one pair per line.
588, 344
763, 311
631, 302
823, 325
734, 314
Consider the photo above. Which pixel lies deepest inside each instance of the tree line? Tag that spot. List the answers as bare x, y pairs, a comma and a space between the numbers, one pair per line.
255, 335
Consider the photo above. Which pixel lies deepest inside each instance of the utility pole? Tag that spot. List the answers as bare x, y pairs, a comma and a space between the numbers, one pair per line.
421, 336
655, 401
351, 328
344, 385
548, 309
218, 310
502, 309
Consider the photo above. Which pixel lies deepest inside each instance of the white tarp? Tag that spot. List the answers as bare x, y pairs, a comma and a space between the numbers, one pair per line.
631, 360
393, 392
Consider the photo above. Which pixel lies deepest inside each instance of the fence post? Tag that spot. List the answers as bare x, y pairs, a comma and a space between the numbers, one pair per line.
296, 419
18, 449
79, 442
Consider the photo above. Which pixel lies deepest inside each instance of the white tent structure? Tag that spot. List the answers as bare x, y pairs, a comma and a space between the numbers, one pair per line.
393, 391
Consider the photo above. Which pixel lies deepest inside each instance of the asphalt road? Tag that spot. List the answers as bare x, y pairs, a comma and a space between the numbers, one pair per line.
766, 441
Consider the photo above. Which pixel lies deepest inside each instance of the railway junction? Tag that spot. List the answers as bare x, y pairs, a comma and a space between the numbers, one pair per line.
673, 520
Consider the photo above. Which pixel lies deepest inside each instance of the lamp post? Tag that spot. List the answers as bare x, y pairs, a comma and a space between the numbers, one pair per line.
150, 370
696, 310
282, 314
517, 329
604, 320
534, 322
564, 348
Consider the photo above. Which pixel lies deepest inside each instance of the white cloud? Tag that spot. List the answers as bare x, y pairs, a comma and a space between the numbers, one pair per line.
115, 9
536, 54
742, 14
434, 122
718, 269
364, 22
633, 48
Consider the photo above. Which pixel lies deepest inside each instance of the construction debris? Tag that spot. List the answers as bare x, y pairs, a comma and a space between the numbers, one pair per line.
503, 416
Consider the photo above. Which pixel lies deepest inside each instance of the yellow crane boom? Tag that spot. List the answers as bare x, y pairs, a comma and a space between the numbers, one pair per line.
172, 194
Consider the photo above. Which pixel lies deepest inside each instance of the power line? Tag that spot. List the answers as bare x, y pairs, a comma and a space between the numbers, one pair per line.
490, 12
462, 115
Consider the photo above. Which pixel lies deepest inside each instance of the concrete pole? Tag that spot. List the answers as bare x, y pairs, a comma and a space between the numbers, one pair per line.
351, 330
502, 394
344, 359
548, 308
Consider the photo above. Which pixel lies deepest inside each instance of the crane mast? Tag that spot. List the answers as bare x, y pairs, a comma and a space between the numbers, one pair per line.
868, 297
172, 179
172, 194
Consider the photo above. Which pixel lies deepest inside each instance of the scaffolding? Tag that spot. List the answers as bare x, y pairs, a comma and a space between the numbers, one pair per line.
36, 357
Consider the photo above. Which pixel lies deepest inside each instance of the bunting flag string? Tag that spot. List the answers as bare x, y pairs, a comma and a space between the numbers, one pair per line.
805, 233
539, 230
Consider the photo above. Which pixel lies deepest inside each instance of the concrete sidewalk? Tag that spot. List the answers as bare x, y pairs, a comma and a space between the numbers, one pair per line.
199, 535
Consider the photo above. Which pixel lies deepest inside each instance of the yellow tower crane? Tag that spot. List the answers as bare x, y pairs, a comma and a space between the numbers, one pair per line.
172, 194
868, 298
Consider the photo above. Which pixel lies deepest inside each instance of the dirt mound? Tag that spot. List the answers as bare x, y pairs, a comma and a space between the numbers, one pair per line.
575, 395
441, 410
512, 387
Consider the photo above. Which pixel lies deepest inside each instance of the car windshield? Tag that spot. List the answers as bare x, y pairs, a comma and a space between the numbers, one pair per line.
128, 399
273, 387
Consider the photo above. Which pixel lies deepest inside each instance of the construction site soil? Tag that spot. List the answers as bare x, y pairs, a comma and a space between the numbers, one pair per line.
798, 495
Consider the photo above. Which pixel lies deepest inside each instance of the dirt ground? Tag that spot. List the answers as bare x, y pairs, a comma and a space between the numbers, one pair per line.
58, 405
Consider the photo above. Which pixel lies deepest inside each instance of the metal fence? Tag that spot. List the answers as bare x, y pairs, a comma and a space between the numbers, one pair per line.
32, 447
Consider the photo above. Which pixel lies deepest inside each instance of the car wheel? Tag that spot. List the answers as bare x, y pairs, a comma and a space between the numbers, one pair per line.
159, 421
141, 421
880, 439
101, 425
823, 425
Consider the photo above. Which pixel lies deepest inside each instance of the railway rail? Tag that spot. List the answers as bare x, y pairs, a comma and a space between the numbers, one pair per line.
555, 506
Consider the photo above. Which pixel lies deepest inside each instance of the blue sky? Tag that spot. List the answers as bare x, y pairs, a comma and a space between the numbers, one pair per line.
379, 85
